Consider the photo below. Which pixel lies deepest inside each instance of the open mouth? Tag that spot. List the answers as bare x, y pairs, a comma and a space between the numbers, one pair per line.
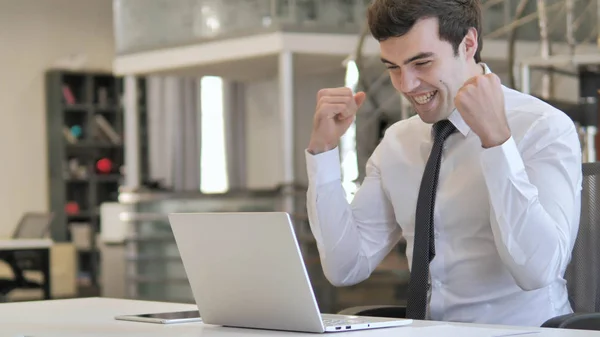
426, 98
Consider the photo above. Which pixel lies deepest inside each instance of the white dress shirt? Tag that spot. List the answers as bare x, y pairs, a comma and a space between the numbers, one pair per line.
505, 218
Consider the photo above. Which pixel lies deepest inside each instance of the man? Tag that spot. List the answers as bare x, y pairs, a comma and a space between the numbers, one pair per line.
492, 224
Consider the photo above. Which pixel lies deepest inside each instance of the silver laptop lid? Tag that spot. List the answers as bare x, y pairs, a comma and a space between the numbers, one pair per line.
246, 270
33, 225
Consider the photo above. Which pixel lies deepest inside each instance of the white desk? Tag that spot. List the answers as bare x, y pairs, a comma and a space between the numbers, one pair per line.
24, 244
95, 317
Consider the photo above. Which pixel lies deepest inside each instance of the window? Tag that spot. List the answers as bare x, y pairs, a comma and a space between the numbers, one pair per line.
348, 141
213, 161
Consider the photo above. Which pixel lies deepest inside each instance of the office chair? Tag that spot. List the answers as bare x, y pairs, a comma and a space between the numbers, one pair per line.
18, 281
582, 274
31, 226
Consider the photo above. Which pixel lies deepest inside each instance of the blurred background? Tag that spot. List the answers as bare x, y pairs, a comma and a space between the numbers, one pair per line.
116, 112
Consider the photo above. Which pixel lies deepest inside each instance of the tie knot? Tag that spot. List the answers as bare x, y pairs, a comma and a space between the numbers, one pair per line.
443, 129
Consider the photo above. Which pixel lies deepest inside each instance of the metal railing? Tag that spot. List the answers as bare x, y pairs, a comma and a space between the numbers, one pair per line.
153, 24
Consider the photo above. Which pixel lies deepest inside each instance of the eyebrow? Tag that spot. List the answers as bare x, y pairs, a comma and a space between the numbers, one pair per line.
414, 58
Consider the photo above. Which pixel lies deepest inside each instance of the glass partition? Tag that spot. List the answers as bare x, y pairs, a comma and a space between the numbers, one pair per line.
155, 271
153, 24
154, 268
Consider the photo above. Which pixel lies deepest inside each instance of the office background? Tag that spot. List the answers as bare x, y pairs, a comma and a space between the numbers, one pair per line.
115, 113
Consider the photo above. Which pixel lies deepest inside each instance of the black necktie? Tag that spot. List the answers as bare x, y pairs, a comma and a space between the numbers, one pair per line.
424, 244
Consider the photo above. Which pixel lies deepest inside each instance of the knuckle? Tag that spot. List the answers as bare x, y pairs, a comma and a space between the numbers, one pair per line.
322, 101
321, 93
321, 107
329, 107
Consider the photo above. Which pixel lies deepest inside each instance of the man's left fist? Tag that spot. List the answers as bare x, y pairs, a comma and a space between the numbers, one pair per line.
481, 104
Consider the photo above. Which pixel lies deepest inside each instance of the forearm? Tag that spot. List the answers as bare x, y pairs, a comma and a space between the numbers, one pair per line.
352, 239
531, 243
337, 235
533, 213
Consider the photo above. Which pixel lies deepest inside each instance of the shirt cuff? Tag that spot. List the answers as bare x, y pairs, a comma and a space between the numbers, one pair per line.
502, 161
324, 167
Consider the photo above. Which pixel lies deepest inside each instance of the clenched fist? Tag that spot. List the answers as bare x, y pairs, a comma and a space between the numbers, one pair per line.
336, 108
481, 104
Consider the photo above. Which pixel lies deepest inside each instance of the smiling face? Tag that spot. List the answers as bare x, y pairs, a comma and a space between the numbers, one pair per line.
426, 70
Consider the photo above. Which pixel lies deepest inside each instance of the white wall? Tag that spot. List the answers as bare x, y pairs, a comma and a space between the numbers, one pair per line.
34, 35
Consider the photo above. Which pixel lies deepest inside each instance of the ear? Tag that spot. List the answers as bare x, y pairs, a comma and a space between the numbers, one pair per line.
470, 43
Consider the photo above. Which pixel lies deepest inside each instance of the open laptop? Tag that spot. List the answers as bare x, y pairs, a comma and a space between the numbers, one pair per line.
246, 270
33, 225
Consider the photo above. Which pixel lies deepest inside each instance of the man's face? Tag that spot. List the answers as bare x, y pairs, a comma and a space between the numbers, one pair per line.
425, 69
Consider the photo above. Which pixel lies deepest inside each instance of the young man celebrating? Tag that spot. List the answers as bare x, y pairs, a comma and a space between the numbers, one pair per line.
483, 183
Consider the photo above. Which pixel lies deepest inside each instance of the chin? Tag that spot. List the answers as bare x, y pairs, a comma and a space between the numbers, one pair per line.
429, 117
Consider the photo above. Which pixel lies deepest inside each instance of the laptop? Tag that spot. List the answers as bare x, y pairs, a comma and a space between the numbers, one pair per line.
33, 225
246, 270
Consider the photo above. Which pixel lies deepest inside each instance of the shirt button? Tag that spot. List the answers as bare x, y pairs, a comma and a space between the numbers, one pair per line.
437, 284
436, 234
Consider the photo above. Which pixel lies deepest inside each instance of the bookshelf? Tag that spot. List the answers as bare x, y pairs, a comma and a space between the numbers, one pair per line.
85, 156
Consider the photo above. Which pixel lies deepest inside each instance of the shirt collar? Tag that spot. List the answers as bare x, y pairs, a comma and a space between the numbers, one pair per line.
456, 119
459, 123
486, 69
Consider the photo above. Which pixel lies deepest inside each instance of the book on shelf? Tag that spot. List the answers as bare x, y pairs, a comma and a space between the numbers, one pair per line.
103, 98
68, 95
107, 129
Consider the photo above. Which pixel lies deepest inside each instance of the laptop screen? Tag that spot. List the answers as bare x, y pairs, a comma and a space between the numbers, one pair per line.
33, 226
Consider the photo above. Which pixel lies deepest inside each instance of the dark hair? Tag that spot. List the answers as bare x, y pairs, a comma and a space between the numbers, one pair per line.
393, 18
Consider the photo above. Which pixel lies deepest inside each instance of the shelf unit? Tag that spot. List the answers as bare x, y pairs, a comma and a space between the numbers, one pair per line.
85, 155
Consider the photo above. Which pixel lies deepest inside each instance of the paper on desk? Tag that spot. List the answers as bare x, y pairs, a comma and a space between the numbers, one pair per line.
463, 331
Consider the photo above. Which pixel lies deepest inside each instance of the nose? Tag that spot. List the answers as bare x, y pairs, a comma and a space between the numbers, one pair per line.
407, 82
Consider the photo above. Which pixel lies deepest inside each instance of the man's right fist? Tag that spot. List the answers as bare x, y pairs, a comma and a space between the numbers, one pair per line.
336, 109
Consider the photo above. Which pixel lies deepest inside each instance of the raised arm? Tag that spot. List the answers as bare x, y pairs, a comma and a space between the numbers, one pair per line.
534, 187
352, 239
535, 191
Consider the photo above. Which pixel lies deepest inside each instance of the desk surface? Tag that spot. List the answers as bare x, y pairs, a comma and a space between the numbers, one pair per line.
17, 244
95, 317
